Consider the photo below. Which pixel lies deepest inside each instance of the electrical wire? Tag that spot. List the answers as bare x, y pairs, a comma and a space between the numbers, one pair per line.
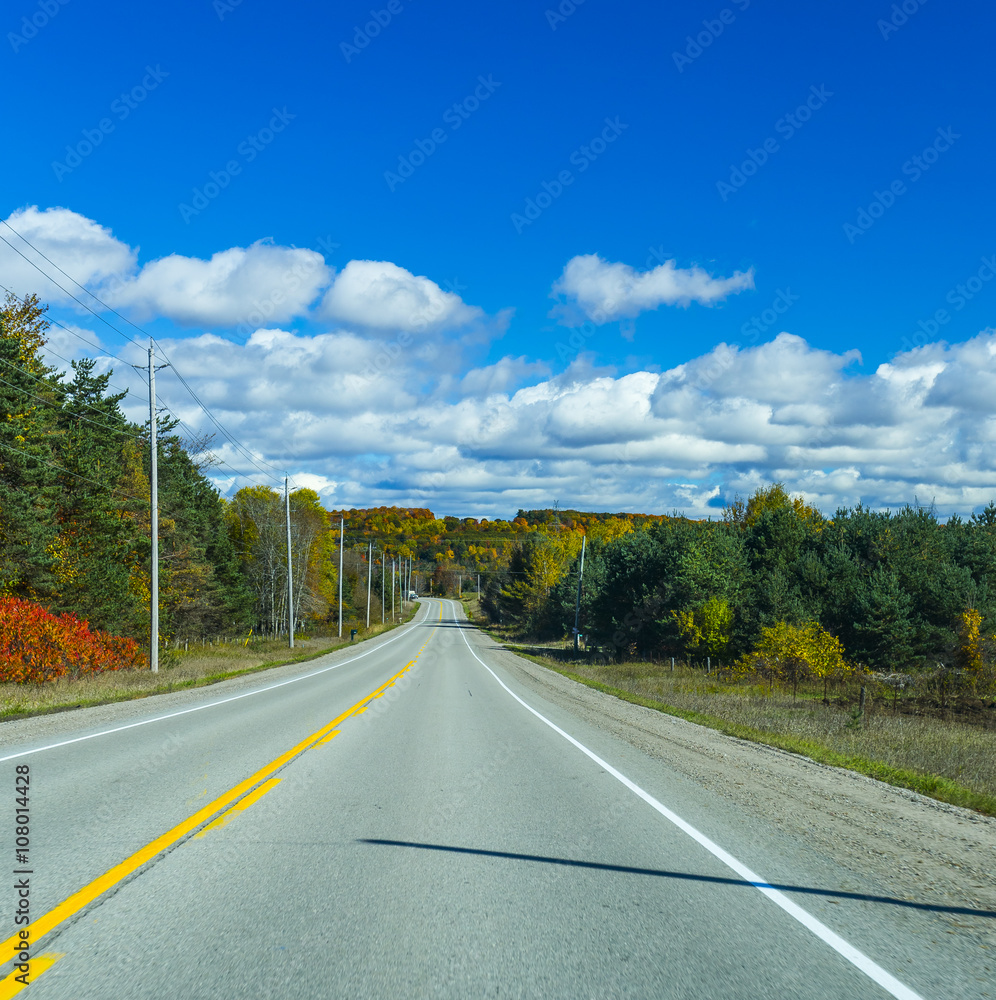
125, 319
115, 430
97, 347
238, 474
93, 295
80, 302
166, 513
69, 472
235, 443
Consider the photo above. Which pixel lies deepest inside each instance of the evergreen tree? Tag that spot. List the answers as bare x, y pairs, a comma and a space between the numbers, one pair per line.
885, 631
29, 402
96, 542
201, 583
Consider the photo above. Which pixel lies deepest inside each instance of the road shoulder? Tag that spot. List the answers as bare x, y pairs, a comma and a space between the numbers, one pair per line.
915, 847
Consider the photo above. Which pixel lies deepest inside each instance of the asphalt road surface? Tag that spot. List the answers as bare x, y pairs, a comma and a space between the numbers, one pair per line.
408, 818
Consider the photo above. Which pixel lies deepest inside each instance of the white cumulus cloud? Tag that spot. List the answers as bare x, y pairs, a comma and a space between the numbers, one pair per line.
240, 286
380, 296
371, 412
685, 439
87, 252
606, 291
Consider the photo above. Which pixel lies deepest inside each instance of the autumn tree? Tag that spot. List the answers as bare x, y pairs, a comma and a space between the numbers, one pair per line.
256, 518
705, 629
794, 653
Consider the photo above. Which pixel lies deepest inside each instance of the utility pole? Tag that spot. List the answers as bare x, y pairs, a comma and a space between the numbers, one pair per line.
153, 513
577, 606
370, 552
383, 605
460, 585
290, 568
341, 531
394, 616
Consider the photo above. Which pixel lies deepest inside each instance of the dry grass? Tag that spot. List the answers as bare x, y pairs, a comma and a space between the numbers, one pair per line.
177, 670
963, 753
948, 760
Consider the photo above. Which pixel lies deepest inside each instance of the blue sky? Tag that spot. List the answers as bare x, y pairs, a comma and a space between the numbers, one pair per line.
808, 187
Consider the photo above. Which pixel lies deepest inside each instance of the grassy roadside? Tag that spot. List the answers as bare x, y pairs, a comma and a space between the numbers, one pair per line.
948, 761
472, 609
178, 670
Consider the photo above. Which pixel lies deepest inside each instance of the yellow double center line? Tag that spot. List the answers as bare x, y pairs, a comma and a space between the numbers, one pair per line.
83, 897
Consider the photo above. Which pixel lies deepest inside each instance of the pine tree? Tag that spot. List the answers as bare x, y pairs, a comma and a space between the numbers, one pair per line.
29, 401
96, 540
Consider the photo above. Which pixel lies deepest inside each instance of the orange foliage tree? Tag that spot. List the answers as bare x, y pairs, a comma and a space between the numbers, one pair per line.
37, 646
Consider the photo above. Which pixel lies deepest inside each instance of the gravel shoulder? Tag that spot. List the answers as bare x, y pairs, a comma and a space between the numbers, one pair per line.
914, 847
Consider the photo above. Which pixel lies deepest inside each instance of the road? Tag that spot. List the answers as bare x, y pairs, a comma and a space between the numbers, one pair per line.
412, 818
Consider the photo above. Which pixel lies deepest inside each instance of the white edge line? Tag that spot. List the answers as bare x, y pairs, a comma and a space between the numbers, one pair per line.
213, 704
857, 958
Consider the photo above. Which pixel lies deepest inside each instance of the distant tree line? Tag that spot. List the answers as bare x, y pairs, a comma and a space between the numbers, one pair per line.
75, 518
897, 589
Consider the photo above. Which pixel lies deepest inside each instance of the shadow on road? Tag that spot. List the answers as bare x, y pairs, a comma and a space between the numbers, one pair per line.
660, 873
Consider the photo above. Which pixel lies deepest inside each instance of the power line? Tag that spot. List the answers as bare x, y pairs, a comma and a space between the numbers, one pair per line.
169, 514
240, 449
69, 472
116, 430
61, 469
238, 446
122, 389
125, 319
97, 347
75, 282
59, 385
66, 290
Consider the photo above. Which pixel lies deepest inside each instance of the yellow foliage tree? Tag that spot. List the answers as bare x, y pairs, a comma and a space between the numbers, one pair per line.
771, 498
970, 655
257, 525
791, 653
608, 530
706, 629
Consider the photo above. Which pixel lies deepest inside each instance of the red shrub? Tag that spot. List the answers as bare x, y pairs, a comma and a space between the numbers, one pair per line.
37, 646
